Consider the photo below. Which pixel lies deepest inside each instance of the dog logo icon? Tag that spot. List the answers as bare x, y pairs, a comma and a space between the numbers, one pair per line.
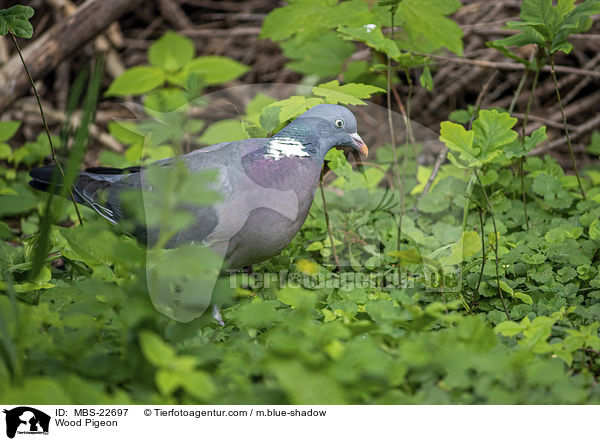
26, 420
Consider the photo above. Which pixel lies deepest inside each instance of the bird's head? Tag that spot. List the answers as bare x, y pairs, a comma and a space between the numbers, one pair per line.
336, 127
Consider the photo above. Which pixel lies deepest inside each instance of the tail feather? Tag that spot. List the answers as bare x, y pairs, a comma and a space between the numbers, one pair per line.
88, 187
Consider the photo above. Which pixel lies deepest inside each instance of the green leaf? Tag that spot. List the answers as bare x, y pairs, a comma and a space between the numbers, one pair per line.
5, 151
168, 381
297, 298
425, 79
594, 145
211, 70
412, 256
281, 111
199, 385
223, 131
371, 35
504, 286
156, 351
323, 56
338, 163
468, 245
525, 298
306, 17
136, 81
16, 21
594, 230
8, 129
167, 99
492, 131
171, 51
519, 148
508, 329
459, 139
425, 19
352, 93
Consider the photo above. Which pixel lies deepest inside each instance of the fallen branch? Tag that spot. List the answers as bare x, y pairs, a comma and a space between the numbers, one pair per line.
58, 43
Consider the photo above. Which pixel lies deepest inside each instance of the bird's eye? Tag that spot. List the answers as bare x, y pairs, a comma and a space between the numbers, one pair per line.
339, 123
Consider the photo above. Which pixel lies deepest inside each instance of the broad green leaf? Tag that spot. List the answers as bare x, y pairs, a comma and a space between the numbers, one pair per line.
156, 351
8, 129
594, 145
412, 256
168, 381
426, 19
519, 148
211, 70
136, 81
5, 151
594, 230
525, 298
508, 329
338, 163
171, 51
199, 385
16, 21
223, 131
167, 99
493, 130
306, 17
287, 109
504, 286
460, 140
371, 35
352, 93
322, 56
297, 297
468, 245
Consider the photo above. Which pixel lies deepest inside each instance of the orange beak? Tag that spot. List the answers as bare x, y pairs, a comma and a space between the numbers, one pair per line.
360, 144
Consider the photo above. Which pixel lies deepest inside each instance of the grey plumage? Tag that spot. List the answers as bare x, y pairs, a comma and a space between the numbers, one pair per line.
268, 186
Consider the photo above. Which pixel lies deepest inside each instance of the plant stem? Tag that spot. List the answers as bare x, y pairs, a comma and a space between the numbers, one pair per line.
518, 91
484, 258
522, 159
404, 160
329, 232
564, 120
495, 244
393, 136
53, 151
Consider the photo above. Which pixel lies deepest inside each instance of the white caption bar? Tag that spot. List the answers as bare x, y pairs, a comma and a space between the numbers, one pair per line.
296, 422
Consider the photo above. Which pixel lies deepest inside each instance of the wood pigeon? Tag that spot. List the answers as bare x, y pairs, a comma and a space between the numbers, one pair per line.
267, 184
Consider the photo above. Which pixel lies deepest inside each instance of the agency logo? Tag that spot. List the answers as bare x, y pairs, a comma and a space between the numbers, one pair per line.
26, 420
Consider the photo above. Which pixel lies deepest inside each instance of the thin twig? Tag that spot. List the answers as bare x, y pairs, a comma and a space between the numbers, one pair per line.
495, 243
53, 151
329, 232
511, 66
564, 119
523, 132
484, 258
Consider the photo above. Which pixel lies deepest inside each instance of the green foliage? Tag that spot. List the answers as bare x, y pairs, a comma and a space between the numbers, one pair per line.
85, 328
312, 32
173, 61
545, 24
16, 21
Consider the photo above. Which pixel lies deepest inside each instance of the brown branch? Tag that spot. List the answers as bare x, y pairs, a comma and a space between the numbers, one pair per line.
59, 42
579, 130
511, 66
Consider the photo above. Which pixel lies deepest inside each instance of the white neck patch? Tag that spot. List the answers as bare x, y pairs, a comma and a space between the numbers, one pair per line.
283, 147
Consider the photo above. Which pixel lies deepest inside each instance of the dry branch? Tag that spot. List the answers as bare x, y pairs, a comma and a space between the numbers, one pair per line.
58, 43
